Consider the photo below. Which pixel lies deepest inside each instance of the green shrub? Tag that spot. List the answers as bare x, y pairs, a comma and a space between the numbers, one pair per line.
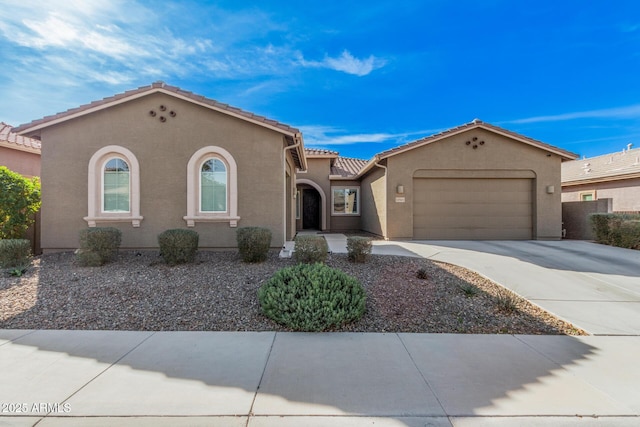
600, 226
422, 273
253, 243
507, 301
468, 289
19, 201
14, 253
89, 258
98, 245
312, 297
358, 248
178, 246
622, 230
310, 249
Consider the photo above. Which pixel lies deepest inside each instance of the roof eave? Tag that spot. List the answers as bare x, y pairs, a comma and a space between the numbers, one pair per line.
368, 166
18, 147
43, 123
601, 179
564, 155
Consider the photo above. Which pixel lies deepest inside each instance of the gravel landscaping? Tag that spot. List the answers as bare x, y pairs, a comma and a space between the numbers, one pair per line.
218, 293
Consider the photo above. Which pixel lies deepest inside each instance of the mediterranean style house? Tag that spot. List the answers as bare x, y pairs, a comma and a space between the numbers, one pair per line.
158, 157
475, 181
614, 176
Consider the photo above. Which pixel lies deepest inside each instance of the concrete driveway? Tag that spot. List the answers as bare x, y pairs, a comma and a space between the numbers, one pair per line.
595, 287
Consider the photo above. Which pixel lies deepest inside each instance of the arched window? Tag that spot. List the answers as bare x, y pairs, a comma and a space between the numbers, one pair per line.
116, 189
212, 187
113, 187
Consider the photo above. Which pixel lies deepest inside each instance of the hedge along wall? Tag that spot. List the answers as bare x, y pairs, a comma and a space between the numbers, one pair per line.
621, 230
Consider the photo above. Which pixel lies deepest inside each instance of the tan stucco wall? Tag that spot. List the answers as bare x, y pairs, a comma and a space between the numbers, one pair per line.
625, 194
342, 223
499, 153
22, 162
373, 199
318, 172
163, 151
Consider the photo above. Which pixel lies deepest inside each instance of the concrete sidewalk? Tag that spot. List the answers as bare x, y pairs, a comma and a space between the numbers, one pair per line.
92, 378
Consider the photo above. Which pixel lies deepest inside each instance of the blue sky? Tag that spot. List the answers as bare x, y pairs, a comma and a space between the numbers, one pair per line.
356, 77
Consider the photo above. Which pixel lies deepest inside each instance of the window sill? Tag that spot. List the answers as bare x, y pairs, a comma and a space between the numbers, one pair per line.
135, 220
232, 220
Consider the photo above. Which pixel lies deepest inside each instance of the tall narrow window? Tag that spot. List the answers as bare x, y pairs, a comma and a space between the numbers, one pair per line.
213, 186
116, 186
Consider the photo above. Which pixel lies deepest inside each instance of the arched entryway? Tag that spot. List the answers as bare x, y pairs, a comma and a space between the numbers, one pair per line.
310, 209
312, 206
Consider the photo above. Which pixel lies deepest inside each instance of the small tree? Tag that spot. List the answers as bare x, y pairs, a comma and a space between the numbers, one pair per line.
19, 201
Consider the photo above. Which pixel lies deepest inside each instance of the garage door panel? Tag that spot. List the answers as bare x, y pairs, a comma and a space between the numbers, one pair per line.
471, 208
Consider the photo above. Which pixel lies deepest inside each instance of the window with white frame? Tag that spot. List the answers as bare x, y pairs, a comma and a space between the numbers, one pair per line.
113, 187
116, 189
212, 187
345, 200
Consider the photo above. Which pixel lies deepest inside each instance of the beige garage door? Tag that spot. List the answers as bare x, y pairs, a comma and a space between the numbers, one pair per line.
472, 208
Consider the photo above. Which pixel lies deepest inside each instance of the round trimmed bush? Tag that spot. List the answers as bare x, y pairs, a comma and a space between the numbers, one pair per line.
312, 297
178, 246
253, 243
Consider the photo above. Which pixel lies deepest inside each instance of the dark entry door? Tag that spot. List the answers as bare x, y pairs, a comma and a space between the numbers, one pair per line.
310, 209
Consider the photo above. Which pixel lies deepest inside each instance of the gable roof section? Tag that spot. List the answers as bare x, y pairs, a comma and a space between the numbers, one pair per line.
346, 168
10, 139
320, 152
293, 135
476, 123
624, 164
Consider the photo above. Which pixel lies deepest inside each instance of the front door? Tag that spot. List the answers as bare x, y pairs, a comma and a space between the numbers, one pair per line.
310, 209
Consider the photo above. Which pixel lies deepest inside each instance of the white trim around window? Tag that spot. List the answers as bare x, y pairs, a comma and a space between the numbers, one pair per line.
194, 194
587, 196
345, 201
96, 187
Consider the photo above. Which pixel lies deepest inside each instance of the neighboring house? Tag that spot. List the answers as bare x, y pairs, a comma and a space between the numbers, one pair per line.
158, 157
613, 176
475, 181
19, 153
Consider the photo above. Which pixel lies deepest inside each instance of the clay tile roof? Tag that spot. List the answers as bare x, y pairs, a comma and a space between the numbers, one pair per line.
475, 124
320, 152
602, 168
347, 167
10, 139
156, 86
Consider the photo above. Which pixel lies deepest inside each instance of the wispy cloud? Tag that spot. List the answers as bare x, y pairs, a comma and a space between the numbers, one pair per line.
631, 111
318, 136
346, 63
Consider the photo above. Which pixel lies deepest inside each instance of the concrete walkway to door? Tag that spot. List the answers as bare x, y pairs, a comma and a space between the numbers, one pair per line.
595, 287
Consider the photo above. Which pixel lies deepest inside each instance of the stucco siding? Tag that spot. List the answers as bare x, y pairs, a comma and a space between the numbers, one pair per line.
318, 173
498, 153
163, 150
374, 202
624, 193
22, 162
339, 222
